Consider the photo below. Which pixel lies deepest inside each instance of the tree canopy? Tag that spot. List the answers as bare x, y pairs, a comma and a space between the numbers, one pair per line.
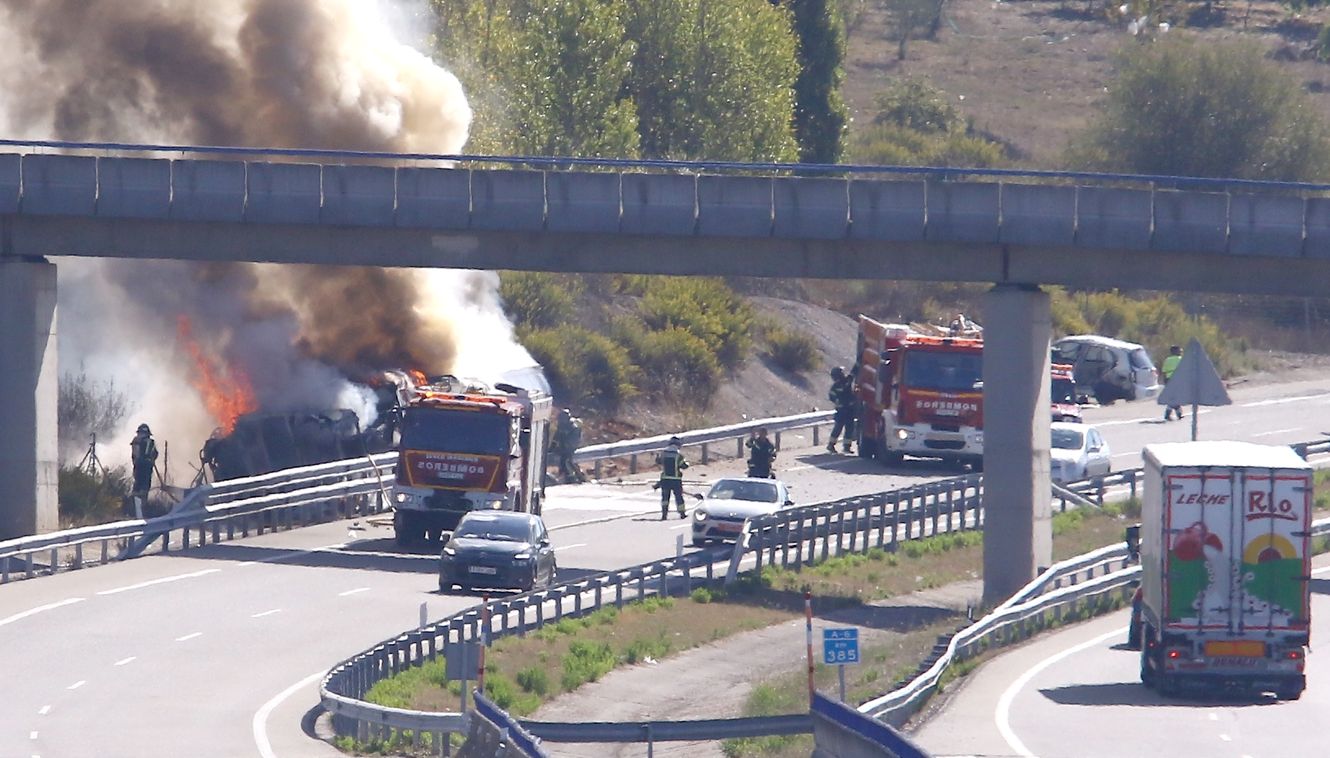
1180, 108
693, 79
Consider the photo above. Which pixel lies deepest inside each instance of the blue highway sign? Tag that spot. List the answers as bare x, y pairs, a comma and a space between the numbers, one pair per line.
840, 645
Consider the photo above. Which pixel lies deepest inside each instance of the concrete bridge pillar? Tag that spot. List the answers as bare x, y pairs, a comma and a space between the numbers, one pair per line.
1018, 536
29, 469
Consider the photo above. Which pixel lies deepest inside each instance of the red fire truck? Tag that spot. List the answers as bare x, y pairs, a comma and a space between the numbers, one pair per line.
466, 446
922, 396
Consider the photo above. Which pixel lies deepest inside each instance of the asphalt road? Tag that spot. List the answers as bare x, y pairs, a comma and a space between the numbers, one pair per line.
218, 652
1077, 694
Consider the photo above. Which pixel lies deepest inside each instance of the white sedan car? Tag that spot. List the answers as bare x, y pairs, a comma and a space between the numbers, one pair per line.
1078, 452
729, 502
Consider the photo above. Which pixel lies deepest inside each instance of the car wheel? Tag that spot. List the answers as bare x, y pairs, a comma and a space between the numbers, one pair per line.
553, 575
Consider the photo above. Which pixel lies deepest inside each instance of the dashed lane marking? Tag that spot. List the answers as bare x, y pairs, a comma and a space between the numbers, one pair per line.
162, 580
45, 709
1276, 431
261, 614
1283, 400
39, 609
189, 636
77, 684
355, 591
124, 661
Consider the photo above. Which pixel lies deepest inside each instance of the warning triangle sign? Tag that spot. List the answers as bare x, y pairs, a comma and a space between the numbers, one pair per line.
1195, 381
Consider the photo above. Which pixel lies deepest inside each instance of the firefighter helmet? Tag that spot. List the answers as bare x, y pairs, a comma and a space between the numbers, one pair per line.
838, 372
143, 429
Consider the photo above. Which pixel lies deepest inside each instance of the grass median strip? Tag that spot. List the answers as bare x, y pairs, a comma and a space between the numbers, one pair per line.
524, 672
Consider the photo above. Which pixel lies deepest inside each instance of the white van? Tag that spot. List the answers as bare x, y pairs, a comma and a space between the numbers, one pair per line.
1108, 369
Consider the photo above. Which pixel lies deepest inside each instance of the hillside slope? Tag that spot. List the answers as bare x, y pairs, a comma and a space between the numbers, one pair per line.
1030, 73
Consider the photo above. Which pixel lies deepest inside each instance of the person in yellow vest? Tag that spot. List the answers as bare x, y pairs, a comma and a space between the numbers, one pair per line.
1167, 368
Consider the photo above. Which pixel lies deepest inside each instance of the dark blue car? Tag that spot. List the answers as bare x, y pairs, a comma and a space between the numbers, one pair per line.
498, 549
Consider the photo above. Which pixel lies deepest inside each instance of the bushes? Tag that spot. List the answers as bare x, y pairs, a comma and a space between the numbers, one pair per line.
707, 308
672, 360
586, 662
585, 368
793, 351
538, 300
86, 500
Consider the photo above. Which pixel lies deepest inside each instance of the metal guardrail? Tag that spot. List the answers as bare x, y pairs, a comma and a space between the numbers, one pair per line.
704, 438
220, 512
840, 724
670, 731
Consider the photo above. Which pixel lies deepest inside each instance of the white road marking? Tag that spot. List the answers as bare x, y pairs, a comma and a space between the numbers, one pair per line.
1282, 400
1214, 717
39, 609
188, 637
1142, 420
1002, 716
45, 709
259, 725
570, 547
352, 592
163, 580
32, 735
77, 684
1320, 570
123, 661
265, 613
1277, 431
679, 526
1225, 738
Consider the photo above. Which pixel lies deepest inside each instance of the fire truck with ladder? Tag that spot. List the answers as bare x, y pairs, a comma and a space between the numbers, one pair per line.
921, 395
468, 446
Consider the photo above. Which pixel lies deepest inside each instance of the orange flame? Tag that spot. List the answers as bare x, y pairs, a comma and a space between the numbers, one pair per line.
226, 391
418, 377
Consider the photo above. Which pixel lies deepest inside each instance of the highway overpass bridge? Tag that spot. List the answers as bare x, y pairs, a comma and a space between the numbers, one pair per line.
1017, 230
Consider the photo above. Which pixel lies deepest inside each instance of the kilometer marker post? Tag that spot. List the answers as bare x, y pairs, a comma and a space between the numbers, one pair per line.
808, 618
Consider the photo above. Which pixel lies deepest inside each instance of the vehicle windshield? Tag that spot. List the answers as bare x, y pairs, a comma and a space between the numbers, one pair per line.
1067, 439
1064, 391
500, 529
455, 431
757, 492
955, 372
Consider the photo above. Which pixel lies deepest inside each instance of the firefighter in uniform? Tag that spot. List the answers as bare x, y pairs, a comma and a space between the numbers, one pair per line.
761, 454
143, 456
567, 438
842, 397
672, 464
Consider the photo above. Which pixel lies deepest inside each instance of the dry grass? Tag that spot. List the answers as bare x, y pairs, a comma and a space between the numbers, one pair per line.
1031, 73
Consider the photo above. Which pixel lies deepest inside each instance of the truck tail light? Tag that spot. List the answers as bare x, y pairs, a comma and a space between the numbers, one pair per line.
1293, 655
1173, 653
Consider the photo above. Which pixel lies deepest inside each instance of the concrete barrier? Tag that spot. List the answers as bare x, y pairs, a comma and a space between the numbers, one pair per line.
1188, 222
1112, 218
583, 202
659, 204
10, 182
893, 211
1265, 225
734, 206
208, 190
811, 208
358, 195
508, 200
134, 188
283, 193
1034, 214
840, 731
431, 198
59, 185
962, 212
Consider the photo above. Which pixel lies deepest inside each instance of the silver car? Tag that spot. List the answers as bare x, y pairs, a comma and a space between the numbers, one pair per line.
1078, 452
721, 514
1107, 368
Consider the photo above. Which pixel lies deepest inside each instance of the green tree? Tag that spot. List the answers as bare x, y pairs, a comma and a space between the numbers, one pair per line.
714, 79
910, 16
572, 64
1180, 108
819, 110
917, 125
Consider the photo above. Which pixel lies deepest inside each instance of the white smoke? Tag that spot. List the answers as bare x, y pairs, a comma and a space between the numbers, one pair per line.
334, 74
